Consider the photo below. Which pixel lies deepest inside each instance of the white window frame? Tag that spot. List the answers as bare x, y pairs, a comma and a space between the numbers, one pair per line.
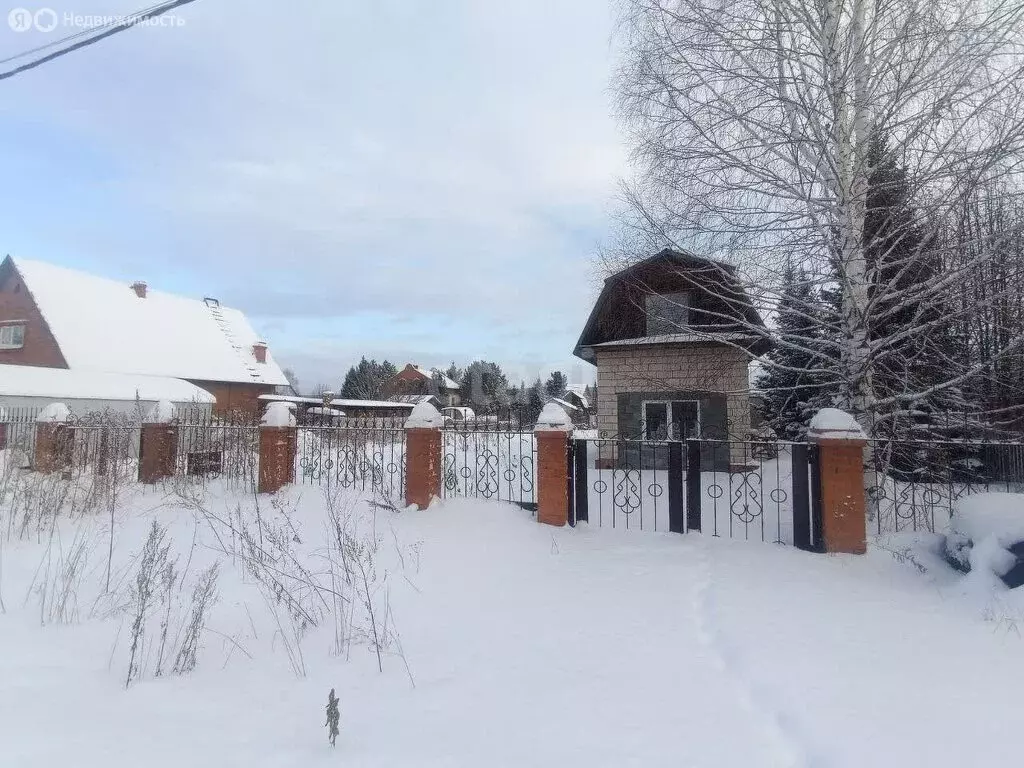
10, 344
668, 415
680, 299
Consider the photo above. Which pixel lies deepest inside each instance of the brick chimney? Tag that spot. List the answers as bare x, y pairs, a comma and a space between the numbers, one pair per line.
139, 286
259, 351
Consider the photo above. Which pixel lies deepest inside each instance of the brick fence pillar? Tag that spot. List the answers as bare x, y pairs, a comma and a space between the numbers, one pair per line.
158, 444
53, 439
278, 447
841, 444
552, 431
423, 455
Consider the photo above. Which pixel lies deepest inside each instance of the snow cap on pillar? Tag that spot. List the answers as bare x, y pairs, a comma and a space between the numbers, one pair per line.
278, 415
553, 418
834, 424
424, 416
54, 413
161, 413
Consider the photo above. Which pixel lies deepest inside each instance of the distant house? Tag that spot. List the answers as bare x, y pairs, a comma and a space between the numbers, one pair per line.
54, 317
578, 399
414, 380
671, 337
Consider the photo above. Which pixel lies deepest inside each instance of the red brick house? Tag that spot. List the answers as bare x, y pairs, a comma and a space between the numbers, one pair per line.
415, 380
56, 317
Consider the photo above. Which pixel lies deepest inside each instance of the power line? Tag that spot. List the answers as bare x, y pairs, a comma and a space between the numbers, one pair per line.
129, 22
69, 38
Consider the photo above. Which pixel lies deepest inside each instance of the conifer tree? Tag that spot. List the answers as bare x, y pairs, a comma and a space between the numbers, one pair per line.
794, 383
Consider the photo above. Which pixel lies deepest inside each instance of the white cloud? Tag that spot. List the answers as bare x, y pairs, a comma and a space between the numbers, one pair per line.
328, 159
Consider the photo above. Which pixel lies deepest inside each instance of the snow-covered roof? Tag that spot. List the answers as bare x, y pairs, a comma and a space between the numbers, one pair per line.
415, 399
341, 402
321, 411
578, 393
102, 325
62, 384
568, 406
446, 382
679, 338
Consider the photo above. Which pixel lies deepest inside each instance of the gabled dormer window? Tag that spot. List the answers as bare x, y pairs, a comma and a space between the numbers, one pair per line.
667, 313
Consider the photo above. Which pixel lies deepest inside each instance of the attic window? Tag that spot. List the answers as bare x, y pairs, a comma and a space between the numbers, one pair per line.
667, 313
12, 336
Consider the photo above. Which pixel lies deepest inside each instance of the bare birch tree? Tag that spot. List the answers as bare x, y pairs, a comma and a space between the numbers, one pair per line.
752, 124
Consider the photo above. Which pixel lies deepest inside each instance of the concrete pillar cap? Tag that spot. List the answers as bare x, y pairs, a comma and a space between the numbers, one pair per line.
553, 418
54, 413
162, 412
833, 424
424, 416
278, 415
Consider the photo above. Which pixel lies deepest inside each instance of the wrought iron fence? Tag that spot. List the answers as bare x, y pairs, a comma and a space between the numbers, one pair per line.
102, 443
737, 488
223, 447
493, 464
914, 485
364, 454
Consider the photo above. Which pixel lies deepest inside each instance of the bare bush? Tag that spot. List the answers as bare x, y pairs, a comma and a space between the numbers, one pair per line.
161, 622
153, 563
204, 595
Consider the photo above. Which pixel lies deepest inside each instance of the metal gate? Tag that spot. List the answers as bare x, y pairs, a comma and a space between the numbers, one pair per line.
490, 457
737, 488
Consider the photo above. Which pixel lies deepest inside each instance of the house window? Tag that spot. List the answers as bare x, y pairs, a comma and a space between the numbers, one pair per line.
671, 419
667, 313
12, 336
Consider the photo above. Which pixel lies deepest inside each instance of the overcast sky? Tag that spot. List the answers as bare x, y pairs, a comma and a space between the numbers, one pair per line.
422, 180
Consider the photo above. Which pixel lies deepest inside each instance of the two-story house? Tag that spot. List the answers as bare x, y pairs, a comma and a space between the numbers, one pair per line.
414, 381
672, 337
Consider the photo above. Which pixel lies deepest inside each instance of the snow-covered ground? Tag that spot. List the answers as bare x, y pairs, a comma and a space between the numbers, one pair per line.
504, 643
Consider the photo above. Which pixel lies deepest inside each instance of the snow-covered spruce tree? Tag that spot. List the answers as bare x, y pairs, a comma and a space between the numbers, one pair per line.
485, 387
913, 347
795, 383
752, 124
365, 379
556, 384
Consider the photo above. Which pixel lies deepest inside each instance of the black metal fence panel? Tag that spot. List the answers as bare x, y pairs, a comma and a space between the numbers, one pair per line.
735, 488
365, 455
498, 465
914, 485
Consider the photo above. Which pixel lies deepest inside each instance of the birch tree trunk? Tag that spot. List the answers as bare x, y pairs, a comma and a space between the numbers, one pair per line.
751, 122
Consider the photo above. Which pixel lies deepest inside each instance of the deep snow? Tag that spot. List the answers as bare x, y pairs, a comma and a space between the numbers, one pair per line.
528, 646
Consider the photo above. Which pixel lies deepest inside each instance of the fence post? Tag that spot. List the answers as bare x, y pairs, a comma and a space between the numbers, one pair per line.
278, 437
423, 455
840, 442
52, 440
580, 496
553, 429
158, 444
693, 499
